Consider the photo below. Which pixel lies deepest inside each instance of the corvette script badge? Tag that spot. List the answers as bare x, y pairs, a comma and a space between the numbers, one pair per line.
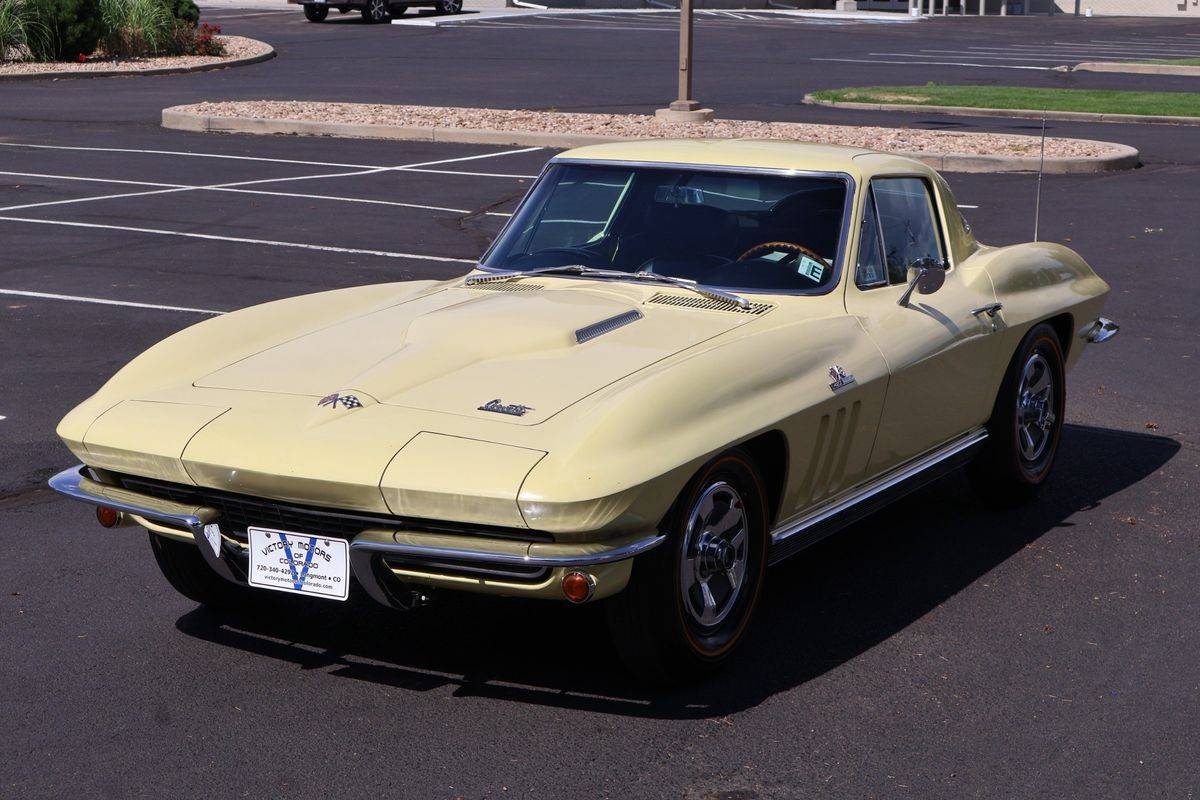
335, 399
839, 378
498, 407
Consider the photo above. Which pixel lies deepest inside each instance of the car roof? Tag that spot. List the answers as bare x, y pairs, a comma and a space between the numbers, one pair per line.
751, 154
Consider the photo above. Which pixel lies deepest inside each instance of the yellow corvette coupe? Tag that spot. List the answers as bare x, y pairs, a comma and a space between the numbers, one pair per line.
679, 363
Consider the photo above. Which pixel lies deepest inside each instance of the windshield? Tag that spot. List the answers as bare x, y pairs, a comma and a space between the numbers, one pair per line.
768, 233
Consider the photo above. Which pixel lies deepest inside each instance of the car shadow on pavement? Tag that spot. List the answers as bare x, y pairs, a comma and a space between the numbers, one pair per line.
821, 608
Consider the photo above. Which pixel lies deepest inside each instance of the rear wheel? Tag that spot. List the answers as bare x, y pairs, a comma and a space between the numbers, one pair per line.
376, 11
449, 6
314, 12
1026, 423
186, 571
690, 601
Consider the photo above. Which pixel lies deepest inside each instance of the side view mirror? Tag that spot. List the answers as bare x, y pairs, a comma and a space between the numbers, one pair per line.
924, 277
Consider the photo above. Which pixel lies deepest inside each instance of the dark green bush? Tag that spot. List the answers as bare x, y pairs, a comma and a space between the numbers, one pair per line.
185, 10
73, 28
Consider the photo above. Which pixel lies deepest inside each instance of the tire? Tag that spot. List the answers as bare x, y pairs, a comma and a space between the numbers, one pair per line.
1026, 423
186, 571
376, 11
314, 12
449, 6
662, 624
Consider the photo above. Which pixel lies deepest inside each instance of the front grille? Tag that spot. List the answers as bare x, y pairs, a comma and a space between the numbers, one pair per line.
239, 512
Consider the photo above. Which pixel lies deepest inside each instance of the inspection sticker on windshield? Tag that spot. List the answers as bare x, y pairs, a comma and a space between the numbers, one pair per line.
813, 270
299, 563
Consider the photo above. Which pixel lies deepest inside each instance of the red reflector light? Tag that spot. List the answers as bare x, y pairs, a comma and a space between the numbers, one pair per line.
108, 517
578, 586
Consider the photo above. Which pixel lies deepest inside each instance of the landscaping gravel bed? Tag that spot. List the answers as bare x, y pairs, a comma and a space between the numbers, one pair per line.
902, 140
237, 48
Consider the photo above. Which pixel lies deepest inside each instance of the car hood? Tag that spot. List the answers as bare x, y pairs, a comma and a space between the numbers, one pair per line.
455, 350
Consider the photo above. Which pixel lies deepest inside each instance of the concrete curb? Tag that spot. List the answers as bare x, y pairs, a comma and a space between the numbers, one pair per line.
1015, 113
120, 73
183, 119
1138, 69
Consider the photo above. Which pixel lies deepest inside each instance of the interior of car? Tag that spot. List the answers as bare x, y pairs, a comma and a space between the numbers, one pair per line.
738, 230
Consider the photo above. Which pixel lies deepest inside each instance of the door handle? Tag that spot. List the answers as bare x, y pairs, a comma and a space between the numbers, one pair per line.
991, 309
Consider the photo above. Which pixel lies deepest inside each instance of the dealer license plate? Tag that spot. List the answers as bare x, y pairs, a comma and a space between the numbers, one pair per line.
299, 563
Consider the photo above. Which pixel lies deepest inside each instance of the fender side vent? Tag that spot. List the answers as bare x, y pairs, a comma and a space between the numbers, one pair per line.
708, 304
500, 286
604, 326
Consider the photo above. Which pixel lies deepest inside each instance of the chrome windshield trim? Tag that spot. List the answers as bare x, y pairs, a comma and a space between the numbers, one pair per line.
420, 551
843, 241
74, 484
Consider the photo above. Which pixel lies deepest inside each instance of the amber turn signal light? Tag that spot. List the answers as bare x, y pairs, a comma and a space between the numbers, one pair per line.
107, 517
578, 587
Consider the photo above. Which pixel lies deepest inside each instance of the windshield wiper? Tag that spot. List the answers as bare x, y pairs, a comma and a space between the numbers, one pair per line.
616, 274
499, 277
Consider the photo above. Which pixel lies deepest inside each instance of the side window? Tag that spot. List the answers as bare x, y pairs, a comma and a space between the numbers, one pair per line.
908, 223
870, 272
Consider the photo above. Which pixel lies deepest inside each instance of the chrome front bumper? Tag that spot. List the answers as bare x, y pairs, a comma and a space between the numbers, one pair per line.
227, 556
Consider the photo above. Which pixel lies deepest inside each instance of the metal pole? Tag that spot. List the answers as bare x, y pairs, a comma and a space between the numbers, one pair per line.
684, 108
685, 101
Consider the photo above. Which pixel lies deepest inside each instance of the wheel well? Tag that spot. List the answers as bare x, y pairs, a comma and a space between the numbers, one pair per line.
770, 452
1064, 326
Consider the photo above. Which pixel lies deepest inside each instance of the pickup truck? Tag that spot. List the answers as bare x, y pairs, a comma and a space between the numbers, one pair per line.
373, 10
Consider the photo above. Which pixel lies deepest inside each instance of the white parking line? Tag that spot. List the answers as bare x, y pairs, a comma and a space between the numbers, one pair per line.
217, 186
105, 302
935, 63
298, 195
238, 239
419, 167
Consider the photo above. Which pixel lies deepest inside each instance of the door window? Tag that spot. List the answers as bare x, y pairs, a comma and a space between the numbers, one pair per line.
908, 224
870, 272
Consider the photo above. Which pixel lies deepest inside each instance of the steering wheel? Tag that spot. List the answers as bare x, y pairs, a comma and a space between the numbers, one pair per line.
795, 248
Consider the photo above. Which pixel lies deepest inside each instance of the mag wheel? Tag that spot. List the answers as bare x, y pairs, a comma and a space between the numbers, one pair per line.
376, 11
315, 13
186, 571
449, 6
1026, 423
689, 601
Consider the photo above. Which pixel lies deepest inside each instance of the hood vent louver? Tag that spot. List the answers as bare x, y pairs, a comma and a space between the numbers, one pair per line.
514, 286
708, 304
604, 326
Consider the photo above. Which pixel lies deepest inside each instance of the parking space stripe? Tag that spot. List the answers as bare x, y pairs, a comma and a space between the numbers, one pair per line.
220, 188
417, 167
935, 63
106, 302
239, 239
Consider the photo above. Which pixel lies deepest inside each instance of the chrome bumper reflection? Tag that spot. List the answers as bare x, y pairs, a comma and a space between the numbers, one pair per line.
228, 557
1102, 330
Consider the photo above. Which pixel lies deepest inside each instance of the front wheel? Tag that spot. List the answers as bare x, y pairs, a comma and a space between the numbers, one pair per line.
449, 6
188, 573
1026, 422
690, 601
316, 13
376, 11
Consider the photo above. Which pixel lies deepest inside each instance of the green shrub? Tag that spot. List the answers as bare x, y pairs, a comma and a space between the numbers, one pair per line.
136, 28
21, 33
72, 28
183, 10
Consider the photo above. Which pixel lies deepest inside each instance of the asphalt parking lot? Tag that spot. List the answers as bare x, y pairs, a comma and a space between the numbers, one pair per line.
936, 650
